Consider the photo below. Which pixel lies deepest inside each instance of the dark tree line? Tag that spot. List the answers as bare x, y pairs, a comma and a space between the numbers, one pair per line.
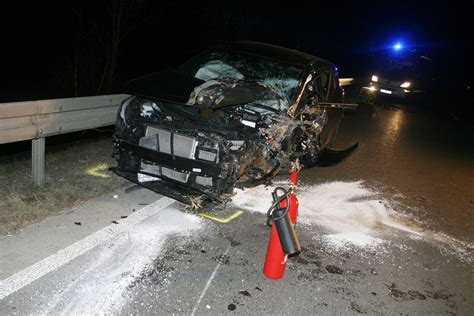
53, 49
97, 35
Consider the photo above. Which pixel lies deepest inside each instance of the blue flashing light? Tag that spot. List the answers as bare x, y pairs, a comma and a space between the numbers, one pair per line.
398, 46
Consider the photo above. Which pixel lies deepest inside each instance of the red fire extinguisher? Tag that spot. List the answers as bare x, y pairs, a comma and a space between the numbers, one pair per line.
283, 240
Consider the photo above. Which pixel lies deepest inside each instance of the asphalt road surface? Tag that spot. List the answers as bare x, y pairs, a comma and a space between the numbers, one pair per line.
389, 230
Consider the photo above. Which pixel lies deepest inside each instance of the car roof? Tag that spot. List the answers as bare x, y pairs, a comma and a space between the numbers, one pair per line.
284, 54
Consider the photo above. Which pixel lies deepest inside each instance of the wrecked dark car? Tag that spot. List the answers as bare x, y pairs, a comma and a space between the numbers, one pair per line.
236, 114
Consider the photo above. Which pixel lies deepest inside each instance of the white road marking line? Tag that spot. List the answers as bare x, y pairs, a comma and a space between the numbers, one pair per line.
208, 283
22, 278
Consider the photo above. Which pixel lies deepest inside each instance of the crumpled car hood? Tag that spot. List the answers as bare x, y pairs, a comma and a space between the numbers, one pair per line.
189, 138
163, 86
205, 94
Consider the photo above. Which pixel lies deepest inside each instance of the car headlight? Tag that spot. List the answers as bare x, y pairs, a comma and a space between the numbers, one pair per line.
375, 78
406, 84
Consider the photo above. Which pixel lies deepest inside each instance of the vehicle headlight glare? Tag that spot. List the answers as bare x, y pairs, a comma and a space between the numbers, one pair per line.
375, 78
406, 84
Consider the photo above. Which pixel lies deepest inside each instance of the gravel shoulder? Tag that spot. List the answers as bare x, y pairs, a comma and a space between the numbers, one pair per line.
76, 171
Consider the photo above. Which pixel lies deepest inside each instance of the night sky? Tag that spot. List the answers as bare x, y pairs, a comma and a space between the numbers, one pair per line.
61, 48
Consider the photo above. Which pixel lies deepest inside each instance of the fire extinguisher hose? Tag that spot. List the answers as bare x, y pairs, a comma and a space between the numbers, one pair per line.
276, 201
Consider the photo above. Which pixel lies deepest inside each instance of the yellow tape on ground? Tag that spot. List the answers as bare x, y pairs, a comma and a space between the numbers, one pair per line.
96, 171
222, 220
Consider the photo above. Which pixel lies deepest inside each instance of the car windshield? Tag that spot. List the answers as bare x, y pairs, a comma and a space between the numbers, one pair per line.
282, 78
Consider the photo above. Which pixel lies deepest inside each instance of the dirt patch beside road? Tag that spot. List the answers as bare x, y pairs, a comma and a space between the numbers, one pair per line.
76, 170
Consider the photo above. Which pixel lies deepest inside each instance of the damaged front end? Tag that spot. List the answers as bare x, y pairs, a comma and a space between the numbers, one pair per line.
228, 131
224, 118
177, 158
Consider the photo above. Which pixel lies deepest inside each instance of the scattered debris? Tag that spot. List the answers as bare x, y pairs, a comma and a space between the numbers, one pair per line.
161, 273
234, 243
410, 295
334, 269
417, 295
438, 295
245, 293
223, 259
195, 203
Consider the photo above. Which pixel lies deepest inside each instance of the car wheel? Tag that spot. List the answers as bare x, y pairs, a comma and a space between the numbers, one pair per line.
310, 159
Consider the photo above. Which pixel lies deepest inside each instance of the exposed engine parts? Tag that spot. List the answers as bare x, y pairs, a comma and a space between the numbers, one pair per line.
224, 119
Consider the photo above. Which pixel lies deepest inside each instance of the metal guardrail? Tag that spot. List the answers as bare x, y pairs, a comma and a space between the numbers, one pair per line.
35, 120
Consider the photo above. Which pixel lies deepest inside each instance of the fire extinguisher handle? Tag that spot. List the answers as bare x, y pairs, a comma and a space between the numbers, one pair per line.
277, 199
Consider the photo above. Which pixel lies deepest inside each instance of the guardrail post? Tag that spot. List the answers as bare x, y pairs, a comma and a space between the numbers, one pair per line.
37, 160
